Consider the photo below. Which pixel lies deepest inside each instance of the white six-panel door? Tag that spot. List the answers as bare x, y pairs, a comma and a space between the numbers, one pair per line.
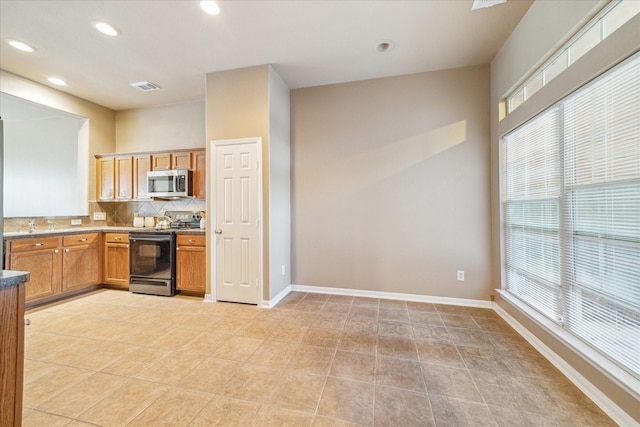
237, 219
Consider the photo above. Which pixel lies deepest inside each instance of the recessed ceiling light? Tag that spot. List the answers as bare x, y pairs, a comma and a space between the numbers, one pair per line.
384, 46
57, 81
105, 28
211, 7
21, 45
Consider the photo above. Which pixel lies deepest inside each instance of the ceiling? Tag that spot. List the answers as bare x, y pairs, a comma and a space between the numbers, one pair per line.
174, 43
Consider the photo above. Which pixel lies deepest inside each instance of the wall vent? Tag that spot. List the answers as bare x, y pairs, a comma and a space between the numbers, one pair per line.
145, 86
481, 4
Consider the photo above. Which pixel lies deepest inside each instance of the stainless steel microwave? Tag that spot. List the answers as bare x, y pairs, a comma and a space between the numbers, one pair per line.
170, 184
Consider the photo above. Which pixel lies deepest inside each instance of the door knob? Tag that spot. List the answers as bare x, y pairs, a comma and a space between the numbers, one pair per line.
218, 231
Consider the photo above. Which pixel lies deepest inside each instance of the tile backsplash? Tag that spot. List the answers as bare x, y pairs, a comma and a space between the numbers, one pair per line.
118, 214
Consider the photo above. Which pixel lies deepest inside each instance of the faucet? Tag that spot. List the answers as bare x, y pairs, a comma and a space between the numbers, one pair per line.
32, 225
51, 223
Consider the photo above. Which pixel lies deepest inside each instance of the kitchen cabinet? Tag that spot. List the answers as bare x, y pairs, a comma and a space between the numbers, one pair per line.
181, 160
199, 166
191, 263
161, 161
116, 260
141, 165
80, 261
12, 353
114, 178
42, 258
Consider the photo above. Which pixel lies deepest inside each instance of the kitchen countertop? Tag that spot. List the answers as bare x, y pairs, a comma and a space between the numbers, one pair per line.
9, 278
102, 229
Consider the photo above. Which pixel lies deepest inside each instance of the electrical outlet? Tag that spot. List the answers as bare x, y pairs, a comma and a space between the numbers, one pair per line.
460, 276
76, 222
99, 216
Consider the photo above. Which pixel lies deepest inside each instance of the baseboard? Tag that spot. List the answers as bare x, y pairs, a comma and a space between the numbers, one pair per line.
393, 295
275, 300
209, 298
592, 392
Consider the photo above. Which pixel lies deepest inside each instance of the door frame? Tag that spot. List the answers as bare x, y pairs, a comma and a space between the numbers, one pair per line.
211, 213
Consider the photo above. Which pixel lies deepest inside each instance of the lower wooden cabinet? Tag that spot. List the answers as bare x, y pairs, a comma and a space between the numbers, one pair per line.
116, 260
191, 263
80, 261
42, 258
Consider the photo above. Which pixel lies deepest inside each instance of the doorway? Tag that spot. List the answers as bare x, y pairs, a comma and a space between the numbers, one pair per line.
235, 207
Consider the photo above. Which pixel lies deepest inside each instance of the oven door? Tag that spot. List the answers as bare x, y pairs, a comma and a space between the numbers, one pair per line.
152, 263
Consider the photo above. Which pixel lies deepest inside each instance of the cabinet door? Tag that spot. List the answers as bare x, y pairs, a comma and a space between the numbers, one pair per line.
116, 264
161, 161
80, 267
45, 271
181, 160
141, 165
199, 164
124, 177
191, 269
105, 172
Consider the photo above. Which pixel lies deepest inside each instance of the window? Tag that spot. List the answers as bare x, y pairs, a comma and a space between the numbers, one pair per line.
571, 206
599, 28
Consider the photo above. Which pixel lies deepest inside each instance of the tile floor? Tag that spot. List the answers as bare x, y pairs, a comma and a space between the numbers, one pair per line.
117, 359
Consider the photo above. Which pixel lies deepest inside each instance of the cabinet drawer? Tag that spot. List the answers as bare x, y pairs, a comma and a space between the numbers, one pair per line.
117, 238
35, 244
80, 239
191, 240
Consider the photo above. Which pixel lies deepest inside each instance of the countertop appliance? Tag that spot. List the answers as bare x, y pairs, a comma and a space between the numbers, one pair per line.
152, 263
184, 219
170, 184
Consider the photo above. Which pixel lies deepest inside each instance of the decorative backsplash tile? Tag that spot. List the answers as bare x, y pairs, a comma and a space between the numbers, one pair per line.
118, 214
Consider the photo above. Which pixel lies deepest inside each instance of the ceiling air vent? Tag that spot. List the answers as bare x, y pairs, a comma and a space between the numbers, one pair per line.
145, 86
481, 4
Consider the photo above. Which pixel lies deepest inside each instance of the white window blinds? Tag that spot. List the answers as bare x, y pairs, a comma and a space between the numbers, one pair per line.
571, 206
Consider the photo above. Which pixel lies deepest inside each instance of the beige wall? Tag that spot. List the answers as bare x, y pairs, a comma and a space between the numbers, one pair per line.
253, 102
510, 66
390, 184
164, 127
101, 120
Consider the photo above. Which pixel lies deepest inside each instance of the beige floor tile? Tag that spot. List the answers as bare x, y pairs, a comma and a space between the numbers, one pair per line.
83, 395
399, 373
314, 360
204, 344
209, 376
365, 301
309, 306
431, 334
459, 321
353, 366
34, 370
272, 416
124, 404
363, 312
494, 325
393, 304
442, 354
450, 309
357, 408
89, 354
176, 407
174, 338
336, 308
402, 348
251, 382
316, 297
273, 353
421, 306
331, 422
135, 361
470, 337
340, 299
297, 390
452, 382
226, 411
258, 329
170, 368
448, 411
237, 348
395, 329
395, 407
358, 342
230, 325
57, 381
395, 315
322, 337
35, 418
289, 333
425, 318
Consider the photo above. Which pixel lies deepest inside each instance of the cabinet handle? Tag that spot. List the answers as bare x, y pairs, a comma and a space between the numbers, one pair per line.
83, 240
37, 245
116, 238
126, 246
191, 241
56, 251
66, 250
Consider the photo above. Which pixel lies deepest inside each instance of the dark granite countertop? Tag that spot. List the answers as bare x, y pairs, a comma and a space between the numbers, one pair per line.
10, 278
103, 229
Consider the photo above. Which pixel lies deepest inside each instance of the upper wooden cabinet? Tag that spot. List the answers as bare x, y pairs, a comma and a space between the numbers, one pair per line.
122, 177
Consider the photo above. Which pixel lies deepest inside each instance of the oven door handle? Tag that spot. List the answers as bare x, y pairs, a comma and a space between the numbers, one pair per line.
151, 238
